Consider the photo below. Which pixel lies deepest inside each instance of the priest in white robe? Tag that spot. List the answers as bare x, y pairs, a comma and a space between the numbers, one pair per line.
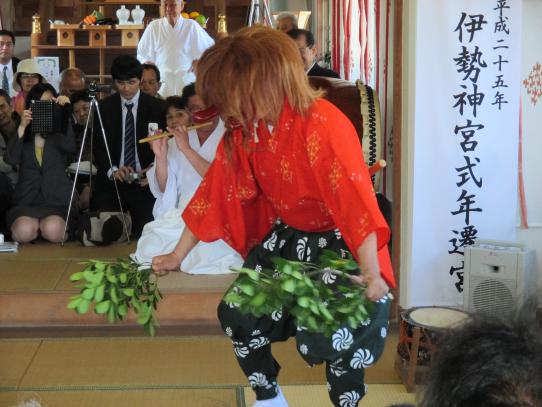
173, 43
184, 172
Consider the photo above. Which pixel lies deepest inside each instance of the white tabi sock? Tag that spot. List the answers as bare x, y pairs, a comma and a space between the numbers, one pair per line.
277, 401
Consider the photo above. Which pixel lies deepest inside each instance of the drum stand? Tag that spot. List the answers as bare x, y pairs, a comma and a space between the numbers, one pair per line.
258, 16
94, 109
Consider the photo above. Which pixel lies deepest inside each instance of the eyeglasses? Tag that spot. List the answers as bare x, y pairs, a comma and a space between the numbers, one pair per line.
30, 76
6, 44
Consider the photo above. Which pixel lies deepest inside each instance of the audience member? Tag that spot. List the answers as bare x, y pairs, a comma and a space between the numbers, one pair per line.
42, 193
71, 80
80, 102
27, 75
305, 42
8, 172
179, 167
150, 80
173, 44
286, 22
8, 63
127, 114
489, 362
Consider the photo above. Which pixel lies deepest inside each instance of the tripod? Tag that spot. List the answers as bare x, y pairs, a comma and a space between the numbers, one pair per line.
94, 109
257, 15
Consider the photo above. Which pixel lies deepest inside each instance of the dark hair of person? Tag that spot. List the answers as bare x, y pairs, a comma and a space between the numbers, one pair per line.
126, 67
37, 91
79, 96
296, 33
176, 102
489, 362
10, 33
188, 92
6, 96
152, 67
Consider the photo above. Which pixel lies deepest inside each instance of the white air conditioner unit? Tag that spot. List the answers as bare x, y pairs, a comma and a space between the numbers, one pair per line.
497, 276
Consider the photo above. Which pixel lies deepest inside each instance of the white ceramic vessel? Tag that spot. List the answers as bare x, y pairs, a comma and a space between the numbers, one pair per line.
138, 14
123, 14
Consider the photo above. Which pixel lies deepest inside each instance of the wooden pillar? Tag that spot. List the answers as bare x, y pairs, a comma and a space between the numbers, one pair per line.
102, 64
46, 12
71, 58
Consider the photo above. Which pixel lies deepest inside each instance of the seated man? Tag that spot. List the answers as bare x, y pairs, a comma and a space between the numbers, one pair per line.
126, 116
305, 42
286, 22
80, 102
150, 80
180, 165
71, 80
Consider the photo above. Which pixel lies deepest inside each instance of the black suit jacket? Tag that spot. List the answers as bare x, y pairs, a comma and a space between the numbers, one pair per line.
14, 63
317, 70
50, 178
149, 110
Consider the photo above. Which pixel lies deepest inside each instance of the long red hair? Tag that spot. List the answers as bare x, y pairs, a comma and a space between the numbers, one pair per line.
251, 74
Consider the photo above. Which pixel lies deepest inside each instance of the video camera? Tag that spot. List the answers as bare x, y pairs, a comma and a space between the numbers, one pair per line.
94, 88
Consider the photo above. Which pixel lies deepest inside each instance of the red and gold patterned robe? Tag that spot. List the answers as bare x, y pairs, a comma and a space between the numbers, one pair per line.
309, 172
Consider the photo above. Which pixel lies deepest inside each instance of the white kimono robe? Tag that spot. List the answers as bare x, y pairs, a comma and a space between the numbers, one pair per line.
161, 235
172, 50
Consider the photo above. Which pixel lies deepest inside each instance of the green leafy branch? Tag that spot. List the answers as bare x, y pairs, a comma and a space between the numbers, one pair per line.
113, 288
298, 287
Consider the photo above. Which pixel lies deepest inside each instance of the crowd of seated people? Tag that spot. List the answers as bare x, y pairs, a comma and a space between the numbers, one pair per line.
32, 163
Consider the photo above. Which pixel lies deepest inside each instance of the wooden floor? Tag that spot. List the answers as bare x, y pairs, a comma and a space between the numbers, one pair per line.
35, 288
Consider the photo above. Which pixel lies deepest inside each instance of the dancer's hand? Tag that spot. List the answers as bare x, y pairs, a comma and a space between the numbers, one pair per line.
376, 286
181, 138
161, 265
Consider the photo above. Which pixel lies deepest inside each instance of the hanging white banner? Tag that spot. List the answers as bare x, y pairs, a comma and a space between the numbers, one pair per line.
465, 138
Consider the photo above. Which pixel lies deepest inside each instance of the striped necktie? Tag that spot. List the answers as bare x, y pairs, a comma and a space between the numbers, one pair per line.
129, 137
5, 83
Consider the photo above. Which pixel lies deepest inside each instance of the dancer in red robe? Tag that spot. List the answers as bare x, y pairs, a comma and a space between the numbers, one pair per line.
288, 180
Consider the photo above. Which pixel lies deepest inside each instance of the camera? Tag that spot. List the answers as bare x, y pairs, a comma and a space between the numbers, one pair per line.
134, 177
131, 177
94, 87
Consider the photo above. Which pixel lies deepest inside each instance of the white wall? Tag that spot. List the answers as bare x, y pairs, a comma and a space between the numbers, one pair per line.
531, 53
532, 130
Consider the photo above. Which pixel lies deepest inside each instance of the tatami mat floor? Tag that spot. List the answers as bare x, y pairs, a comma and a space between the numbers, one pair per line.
140, 371
187, 371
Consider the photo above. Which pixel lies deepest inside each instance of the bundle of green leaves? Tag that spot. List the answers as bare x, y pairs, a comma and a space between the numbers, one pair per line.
299, 288
113, 288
